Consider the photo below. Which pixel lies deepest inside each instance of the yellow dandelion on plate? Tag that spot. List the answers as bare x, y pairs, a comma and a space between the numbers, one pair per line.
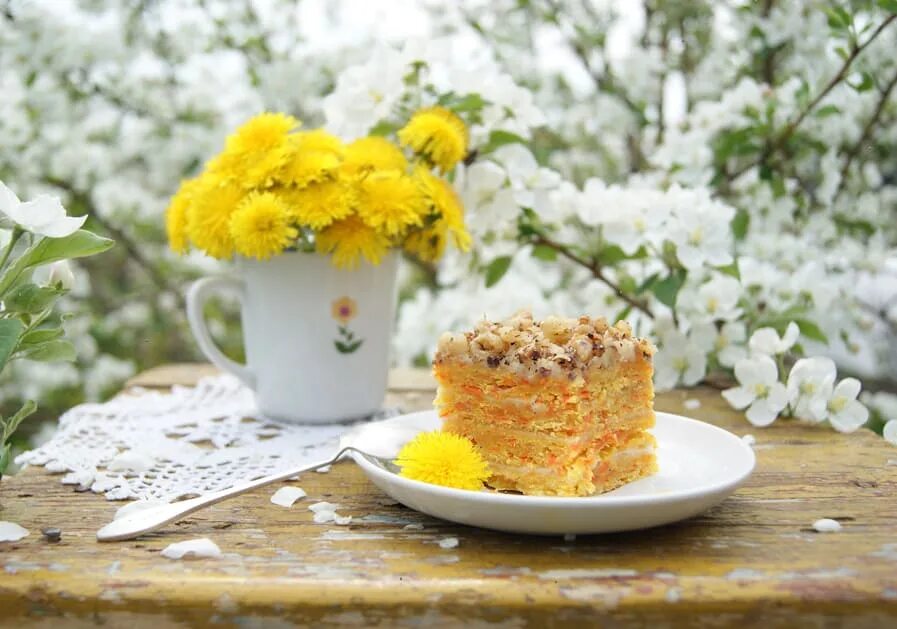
444, 201
390, 202
312, 156
372, 153
176, 216
261, 227
350, 239
443, 458
438, 135
256, 151
208, 215
319, 204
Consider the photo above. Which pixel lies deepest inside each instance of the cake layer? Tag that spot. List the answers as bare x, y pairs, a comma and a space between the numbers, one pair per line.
587, 475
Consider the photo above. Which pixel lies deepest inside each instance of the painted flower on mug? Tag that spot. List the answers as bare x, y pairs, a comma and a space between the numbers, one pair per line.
343, 310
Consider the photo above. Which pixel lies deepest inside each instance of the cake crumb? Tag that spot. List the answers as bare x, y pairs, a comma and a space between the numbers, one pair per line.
448, 542
827, 525
692, 404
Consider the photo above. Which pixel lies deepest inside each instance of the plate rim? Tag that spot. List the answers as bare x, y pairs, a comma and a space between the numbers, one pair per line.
572, 502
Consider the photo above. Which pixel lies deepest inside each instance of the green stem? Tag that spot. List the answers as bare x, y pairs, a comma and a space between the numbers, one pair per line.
16, 234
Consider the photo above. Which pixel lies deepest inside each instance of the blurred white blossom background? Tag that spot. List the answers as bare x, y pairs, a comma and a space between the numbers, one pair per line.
722, 174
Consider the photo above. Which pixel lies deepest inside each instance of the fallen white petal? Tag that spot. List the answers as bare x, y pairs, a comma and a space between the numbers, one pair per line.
202, 547
130, 461
342, 520
286, 496
448, 542
692, 403
826, 525
323, 517
11, 532
136, 506
749, 439
322, 506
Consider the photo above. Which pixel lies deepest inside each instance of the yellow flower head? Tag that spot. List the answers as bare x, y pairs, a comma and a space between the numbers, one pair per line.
372, 153
443, 458
390, 202
344, 309
256, 151
348, 240
438, 135
176, 216
261, 227
312, 156
428, 244
444, 201
208, 216
319, 204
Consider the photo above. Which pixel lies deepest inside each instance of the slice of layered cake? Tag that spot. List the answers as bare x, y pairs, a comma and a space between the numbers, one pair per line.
558, 407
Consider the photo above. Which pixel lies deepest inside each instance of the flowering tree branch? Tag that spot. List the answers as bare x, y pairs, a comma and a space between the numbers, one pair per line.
596, 270
779, 142
867, 131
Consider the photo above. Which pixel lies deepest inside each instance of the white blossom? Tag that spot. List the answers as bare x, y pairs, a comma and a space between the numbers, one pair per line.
845, 412
810, 385
729, 343
890, 431
680, 361
759, 390
767, 340
44, 215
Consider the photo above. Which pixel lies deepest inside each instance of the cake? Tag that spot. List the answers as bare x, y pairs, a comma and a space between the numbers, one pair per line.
558, 407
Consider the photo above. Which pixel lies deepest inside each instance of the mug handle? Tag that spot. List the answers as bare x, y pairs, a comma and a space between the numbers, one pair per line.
197, 295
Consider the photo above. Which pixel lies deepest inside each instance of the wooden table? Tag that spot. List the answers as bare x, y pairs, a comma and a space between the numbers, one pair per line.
754, 559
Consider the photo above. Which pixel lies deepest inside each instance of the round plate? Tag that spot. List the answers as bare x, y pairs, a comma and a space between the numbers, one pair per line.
699, 463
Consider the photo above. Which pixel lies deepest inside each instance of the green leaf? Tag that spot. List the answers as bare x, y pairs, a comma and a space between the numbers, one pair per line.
740, 224
544, 252
78, 245
827, 110
838, 18
667, 289
11, 424
57, 350
888, 5
10, 332
499, 138
383, 128
468, 103
496, 270
40, 336
31, 298
730, 269
867, 82
811, 330
4, 457
347, 348
611, 255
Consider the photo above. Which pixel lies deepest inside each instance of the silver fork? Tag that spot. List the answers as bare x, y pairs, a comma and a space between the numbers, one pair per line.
155, 518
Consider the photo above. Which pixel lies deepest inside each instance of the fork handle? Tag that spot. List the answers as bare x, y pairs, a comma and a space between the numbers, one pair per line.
152, 519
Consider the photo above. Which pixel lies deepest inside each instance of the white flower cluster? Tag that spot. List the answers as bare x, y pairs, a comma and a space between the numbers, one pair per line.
810, 392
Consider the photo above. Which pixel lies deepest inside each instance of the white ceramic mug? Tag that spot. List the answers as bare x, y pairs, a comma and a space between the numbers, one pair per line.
316, 337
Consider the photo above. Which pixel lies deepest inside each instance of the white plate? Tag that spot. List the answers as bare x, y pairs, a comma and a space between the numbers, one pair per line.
699, 463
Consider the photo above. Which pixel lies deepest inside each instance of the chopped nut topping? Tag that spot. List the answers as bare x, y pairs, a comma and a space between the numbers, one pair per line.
553, 347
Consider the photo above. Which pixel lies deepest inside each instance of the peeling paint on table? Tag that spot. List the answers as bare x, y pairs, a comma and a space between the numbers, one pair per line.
755, 558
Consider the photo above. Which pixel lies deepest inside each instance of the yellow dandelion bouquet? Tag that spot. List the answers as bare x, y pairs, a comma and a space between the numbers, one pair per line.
276, 188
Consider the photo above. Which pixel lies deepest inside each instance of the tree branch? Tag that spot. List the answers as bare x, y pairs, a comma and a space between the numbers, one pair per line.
867, 132
779, 141
596, 270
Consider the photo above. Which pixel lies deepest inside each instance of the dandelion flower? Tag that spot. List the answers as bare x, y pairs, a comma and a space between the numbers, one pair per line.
443, 458
390, 202
443, 200
208, 215
350, 239
261, 227
438, 135
319, 204
372, 153
176, 216
256, 151
312, 156
428, 244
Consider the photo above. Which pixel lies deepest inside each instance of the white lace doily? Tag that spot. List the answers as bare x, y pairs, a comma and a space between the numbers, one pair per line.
191, 441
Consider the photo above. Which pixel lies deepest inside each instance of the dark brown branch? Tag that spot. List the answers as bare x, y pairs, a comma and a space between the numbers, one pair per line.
867, 132
596, 270
779, 141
